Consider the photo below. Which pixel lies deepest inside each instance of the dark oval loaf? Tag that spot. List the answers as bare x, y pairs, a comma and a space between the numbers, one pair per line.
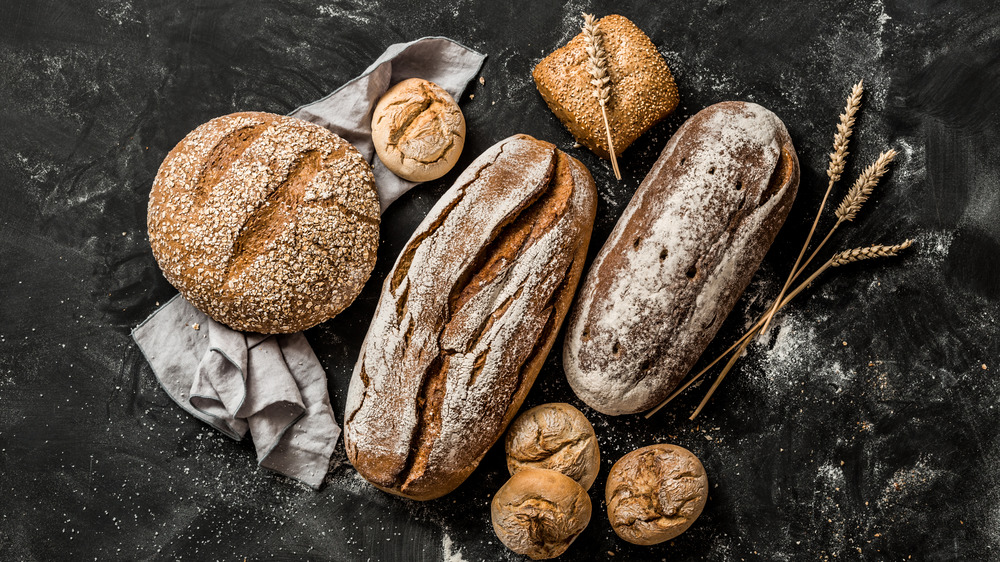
467, 317
683, 251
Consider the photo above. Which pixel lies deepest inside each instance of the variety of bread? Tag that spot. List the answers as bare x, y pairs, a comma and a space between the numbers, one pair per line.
655, 493
539, 513
265, 223
270, 224
418, 130
467, 317
557, 437
679, 257
642, 89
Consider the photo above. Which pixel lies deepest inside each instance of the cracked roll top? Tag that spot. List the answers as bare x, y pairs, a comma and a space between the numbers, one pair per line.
539, 513
265, 223
418, 130
557, 437
683, 251
655, 493
467, 317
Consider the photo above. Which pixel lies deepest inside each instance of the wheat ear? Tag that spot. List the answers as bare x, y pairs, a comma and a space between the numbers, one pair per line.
838, 158
863, 187
842, 258
839, 259
853, 201
597, 65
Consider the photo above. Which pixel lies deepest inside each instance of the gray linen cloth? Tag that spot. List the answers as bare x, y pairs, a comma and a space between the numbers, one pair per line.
273, 385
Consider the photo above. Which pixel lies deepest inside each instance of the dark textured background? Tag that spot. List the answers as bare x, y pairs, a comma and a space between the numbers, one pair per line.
863, 424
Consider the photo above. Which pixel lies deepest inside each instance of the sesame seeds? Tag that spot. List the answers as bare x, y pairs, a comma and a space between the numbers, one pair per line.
642, 89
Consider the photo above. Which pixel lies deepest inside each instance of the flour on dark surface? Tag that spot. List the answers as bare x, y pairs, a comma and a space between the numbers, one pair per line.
862, 425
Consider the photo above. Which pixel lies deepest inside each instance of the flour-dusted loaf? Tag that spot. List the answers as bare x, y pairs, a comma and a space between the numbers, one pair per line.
265, 223
683, 251
467, 316
643, 91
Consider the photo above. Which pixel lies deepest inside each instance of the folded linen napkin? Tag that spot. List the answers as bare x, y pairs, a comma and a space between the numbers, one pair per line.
273, 385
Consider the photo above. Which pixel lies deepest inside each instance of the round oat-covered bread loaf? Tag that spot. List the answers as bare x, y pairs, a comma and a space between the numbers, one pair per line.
418, 130
655, 493
555, 436
540, 513
265, 223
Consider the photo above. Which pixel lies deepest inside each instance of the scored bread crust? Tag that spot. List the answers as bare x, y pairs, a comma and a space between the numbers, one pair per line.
265, 223
679, 257
467, 317
643, 91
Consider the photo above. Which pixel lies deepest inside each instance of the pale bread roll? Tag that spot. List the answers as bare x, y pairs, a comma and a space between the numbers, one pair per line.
418, 130
655, 493
539, 513
557, 437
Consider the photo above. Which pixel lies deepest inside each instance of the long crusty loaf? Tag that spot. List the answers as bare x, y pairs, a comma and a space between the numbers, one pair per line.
683, 251
467, 316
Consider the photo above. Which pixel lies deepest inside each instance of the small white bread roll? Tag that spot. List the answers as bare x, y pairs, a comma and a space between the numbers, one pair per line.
539, 513
555, 436
418, 130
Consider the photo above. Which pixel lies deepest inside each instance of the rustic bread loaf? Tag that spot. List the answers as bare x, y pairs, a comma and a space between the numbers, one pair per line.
418, 130
655, 493
467, 317
681, 254
539, 513
554, 436
265, 223
642, 89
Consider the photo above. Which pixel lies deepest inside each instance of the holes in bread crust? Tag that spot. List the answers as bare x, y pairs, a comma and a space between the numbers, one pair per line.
616, 349
635, 244
779, 177
711, 171
739, 184
663, 254
692, 271
646, 365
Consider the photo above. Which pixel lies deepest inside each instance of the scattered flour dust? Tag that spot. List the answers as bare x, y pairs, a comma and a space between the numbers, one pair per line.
792, 357
450, 552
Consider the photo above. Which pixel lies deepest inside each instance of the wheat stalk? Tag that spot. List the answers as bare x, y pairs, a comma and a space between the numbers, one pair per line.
858, 254
853, 201
597, 65
839, 259
838, 158
863, 187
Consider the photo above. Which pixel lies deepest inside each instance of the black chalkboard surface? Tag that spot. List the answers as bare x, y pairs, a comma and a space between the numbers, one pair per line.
863, 425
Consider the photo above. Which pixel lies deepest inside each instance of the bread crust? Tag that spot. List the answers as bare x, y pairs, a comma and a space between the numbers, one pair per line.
683, 251
655, 493
418, 130
264, 222
539, 513
467, 317
554, 436
643, 91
